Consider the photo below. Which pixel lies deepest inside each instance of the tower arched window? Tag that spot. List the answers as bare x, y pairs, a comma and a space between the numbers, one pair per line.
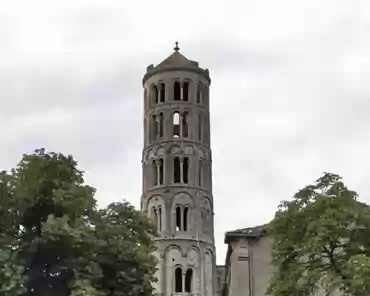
185, 91
160, 125
178, 218
161, 172
154, 173
176, 124
155, 217
189, 280
199, 93
177, 91
154, 94
185, 170
176, 170
160, 219
185, 124
178, 280
162, 92
200, 126
186, 219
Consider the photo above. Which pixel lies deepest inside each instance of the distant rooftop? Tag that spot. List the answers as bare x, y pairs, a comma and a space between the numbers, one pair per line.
249, 232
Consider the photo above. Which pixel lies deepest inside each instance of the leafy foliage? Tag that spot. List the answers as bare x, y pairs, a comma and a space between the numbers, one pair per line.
54, 240
321, 242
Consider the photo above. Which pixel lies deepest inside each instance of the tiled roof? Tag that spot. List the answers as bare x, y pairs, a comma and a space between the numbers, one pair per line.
249, 232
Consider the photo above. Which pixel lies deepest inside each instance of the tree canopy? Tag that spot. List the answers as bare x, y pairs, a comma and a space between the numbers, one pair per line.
55, 241
321, 242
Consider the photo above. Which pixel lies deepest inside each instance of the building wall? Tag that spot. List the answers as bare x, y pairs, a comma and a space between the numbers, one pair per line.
248, 267
260, 253
220, 279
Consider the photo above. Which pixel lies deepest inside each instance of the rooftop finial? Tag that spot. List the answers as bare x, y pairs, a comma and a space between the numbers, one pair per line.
176, 48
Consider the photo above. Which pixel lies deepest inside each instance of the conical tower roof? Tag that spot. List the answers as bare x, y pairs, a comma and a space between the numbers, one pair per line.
176, 61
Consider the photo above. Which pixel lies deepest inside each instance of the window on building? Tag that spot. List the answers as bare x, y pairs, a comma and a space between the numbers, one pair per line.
161, 172
154, 217
185, 124
160, 219
160, 123
178, 218
185, 170
177, 91
176, 170
178, 280
176, 124
162, 91
185, 90
186, 214
154, 173
188, 280
154, 94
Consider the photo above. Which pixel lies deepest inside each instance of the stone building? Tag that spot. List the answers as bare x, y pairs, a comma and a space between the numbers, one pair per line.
177, 175
248, 267
248, 262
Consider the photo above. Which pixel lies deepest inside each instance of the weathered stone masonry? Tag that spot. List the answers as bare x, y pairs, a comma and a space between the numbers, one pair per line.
177, 175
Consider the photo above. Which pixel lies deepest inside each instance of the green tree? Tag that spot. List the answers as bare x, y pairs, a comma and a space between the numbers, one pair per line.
54, 240
321, 241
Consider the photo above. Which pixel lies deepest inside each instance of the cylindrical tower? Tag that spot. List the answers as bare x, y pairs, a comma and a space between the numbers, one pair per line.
177, 175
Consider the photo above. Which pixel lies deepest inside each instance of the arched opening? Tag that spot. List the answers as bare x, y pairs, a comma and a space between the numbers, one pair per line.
185, 124
177, 91
178, 280
162, 92
154, 217
185, 90
160, 119
176, 170
188, 280
200, 126
178, 218
154, 94
199, 93
176, 124
185, 170
154, 173
154, 127
160, 219
161, 172
186, 217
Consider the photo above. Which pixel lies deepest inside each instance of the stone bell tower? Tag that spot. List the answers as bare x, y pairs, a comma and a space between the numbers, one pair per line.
177, 175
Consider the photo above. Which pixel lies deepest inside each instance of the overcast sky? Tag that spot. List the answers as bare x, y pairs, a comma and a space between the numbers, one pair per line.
290, 93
